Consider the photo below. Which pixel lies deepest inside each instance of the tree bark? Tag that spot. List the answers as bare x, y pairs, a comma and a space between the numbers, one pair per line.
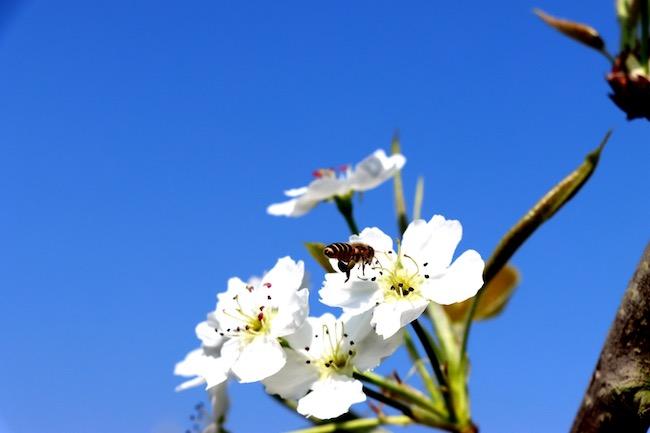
618, 397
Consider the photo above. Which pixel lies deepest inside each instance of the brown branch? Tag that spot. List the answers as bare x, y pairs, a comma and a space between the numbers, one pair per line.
618, 397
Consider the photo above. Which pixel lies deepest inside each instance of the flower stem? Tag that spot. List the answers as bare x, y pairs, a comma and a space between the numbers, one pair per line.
427, 344
433, 390
362, 424
344, 205
401, 390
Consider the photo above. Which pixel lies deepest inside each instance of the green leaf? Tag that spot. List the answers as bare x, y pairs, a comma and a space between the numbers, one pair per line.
543, 210
582, 33
400, 203
496, 295
419, 198
316, 251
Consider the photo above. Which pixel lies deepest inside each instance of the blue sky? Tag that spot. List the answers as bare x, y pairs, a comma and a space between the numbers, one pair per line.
141, 141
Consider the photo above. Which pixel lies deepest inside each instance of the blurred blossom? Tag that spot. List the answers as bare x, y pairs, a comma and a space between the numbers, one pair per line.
330, 183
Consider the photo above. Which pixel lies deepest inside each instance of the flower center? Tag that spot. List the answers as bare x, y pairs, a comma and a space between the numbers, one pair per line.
248, 322
337, 353
403, 280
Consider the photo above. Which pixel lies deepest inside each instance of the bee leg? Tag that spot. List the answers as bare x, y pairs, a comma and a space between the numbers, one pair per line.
343, 267
348, 268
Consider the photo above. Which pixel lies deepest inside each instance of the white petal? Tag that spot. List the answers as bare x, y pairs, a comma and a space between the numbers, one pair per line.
209, 337
331, 396
286, 274
374, 170
296, 192
374, 237
355, 296
434, 242
291, 314
445, 236
390, 317
373, 349
289, 208
212, 370
308, 197
295, 379
192, 383
257, 360
460, 282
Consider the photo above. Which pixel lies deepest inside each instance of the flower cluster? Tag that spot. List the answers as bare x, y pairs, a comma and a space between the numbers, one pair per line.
261, 330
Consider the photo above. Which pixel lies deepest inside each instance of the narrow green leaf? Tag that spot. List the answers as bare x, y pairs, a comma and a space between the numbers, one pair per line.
542, 211
316, 251
400, 203
419, 198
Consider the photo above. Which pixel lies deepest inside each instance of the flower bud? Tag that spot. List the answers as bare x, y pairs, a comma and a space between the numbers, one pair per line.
630, 83
579, 32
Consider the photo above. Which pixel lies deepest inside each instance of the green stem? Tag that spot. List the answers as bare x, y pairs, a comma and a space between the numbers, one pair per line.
431, 387
541, 212
410, 395
344, 205
417, 414
362, 424
427, 344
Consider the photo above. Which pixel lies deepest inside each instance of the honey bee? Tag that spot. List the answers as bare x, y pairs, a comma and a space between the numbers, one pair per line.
349, 255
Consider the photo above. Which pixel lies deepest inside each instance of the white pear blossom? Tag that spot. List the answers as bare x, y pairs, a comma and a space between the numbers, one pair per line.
204, 365
368, 174
253, 316
322, 357
399, 286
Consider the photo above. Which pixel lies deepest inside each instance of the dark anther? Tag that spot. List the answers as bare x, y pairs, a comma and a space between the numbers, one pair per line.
308, 362
425, 264
351, 343
307, 348
268, 297
345, 335
426, 276
411, 289
373, 278
401, 284
350, 352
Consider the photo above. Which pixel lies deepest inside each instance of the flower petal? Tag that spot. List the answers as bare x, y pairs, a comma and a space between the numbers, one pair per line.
331, 396
286, 274
257, 359
211, 370
390, 317
461, 281
370, 348
434, 242
294, 379
354, 296
375, 238
374, 170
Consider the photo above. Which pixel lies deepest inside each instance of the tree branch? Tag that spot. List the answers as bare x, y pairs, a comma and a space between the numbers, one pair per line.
618, 397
